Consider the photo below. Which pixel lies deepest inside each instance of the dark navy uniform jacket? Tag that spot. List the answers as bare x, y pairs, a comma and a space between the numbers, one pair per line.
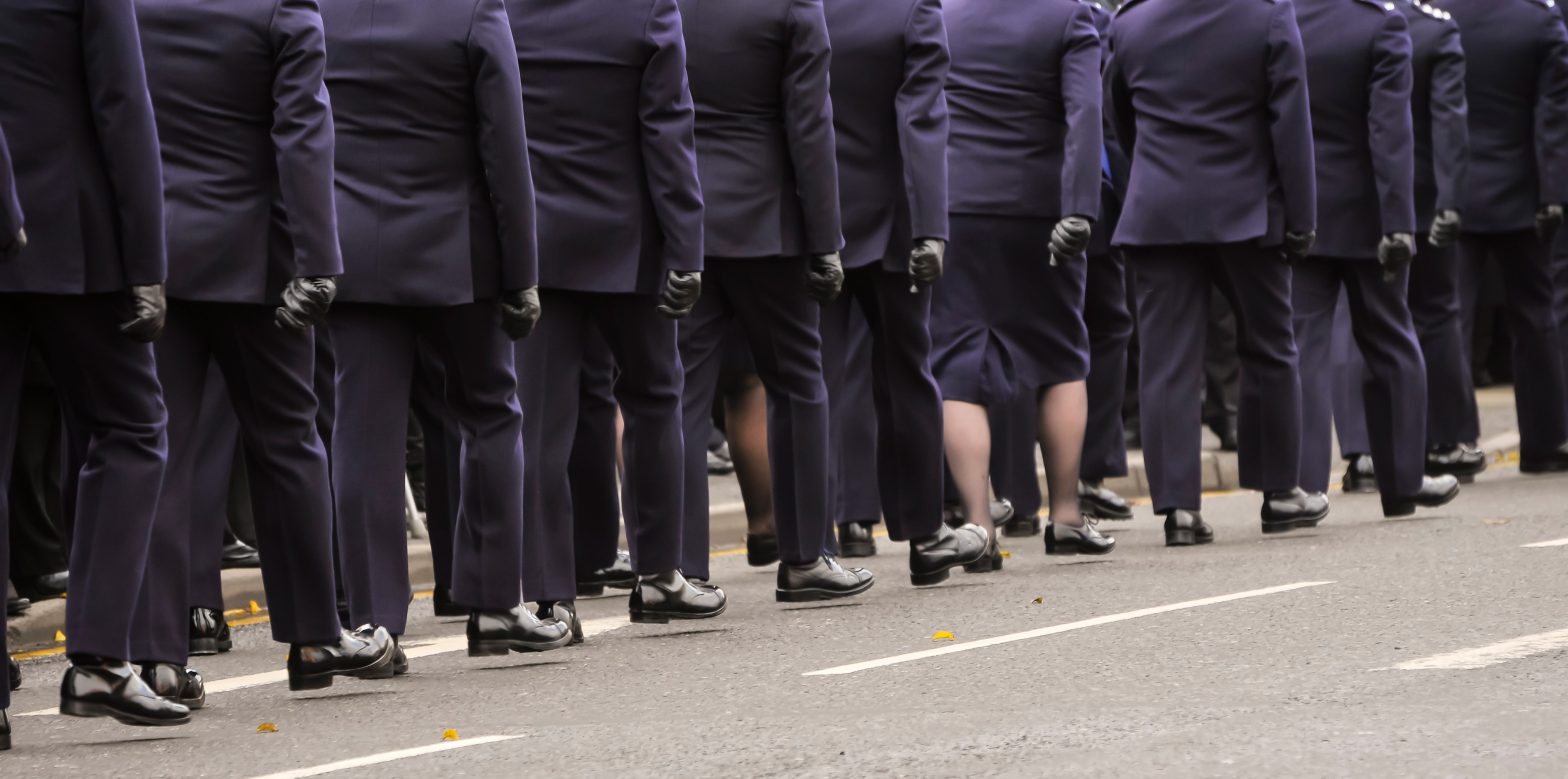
610, 139
1024, 92
1209, 98
1439, 111
759, 78
1358, 78
246, 133
890, 116
435, 201
10, 207
1516, 81
85, 149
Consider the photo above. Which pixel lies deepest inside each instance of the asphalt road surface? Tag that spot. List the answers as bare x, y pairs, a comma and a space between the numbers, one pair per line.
1432, 646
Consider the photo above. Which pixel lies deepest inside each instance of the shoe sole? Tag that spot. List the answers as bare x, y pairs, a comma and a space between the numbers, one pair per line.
1275, 528
203, 647
1101, 512
1407, 508
84, 709
5, 742
983, 565
643, 617
759, 561
1358, 490
1073, 549
497, 648
928, 578
858, 549
1021, 529
816, 594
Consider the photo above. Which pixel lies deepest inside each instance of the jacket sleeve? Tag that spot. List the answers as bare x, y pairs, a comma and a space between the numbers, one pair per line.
127, 134
1081, 100
921, 104
1389, 132
302, 137
503, 144
1551, 112
1290, 120
669, 145
10, 205
1450, 121
808, 124
1119, 111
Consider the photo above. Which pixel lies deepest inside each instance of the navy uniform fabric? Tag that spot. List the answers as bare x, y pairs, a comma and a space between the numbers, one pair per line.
1349, 384
1359, 76
10, 206
619, 207
1218, 176
890, 64
765, 156
10, 223
852, 405
216, 443
246, 136
593, 470
74, 108
436, 218
1516, 84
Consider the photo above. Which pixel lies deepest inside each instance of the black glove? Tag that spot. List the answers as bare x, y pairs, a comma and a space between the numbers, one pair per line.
10, 250
1070, 238
681, 292
520, 312
148, 309
1394, 253
825, 277
1547, 220
925, 262
1297, 245
1445, 229
305, 302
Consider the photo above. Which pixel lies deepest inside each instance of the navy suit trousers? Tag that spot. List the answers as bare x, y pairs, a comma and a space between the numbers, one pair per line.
1394, 388
216, 439
767, 298
1173, 300
1110, 324
648, 388
596, 501
1451, 414
908, 404
268, 371
1349, 369
113, 404
853, 411
377, 347
443, 462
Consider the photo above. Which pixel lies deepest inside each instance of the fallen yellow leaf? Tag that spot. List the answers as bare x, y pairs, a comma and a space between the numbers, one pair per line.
1006, 553
1038, 601
266, 727
943, 635
255, 608
449, 735
59, 635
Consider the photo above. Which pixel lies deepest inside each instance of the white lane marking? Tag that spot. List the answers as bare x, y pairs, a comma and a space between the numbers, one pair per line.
1491, 654
440, 646
1054, 629
1544, 544
386, 757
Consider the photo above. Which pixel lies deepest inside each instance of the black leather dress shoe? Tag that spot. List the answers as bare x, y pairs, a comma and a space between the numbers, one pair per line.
209, 632
821, 579
762, 549
1461, 460
931, 559
240, 555
1556, 462
1435, 491
444, 605
176, 683
5, 732
1094, 500
1286, 510
365, 653
399, 657
17, 606
1225, 430
1360, 476
617, 575
1187, 528
855, 540
514, 630
990, 561
42, 588
15, 671
1080, 539
660, 598
563, 611
98, 687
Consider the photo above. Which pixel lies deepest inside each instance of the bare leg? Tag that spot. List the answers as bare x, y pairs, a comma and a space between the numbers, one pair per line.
746, 424
966, 435
1064, 413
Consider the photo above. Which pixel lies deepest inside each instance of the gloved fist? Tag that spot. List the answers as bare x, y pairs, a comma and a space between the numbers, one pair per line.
520, 312
148, 310
10, 250
1394, 253
925, 261
1070, 238
1298, 245
305, 302
825, 277
1445, 229
1547, 220
681, 291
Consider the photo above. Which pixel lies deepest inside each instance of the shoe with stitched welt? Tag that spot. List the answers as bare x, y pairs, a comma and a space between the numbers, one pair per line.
1094, 500
855, 540
932, 559
1076, 539
1459, 460
1293, 509
659, 598
366, 653
820, 579
103, 687
562, 611
1360, 475
1435, 491
493, 633
176, 683
1187, 528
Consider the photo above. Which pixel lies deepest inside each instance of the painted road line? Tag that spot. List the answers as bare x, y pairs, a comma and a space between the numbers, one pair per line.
1054, 629
1489, 655
386, 757
440, 646
1544, 544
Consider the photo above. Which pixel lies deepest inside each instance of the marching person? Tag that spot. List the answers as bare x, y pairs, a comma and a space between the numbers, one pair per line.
1221, 191
436, 219
890, 64
620, 240
1024, 150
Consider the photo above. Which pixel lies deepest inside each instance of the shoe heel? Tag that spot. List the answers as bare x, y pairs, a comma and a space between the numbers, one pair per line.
488, 648
203, 647
1180, 538
74, 708
996, 561
644, 618
5, 742
590, 590
303, 683
928, 579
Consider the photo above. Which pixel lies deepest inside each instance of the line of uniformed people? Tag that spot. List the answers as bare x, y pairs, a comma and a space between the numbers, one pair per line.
697, 171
